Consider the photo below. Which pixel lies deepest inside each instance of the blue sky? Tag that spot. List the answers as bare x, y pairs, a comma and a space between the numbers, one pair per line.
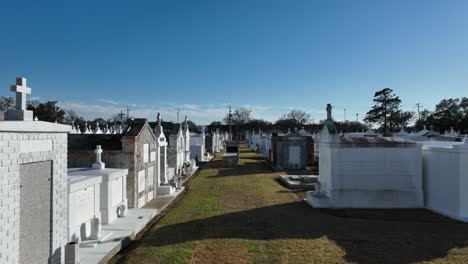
201, 56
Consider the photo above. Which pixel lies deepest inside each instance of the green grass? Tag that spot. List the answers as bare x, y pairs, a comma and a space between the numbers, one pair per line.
242, 215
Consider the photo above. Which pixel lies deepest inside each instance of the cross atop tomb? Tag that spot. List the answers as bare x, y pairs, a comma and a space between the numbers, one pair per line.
98, 164
21, 91
329, 112
20, 112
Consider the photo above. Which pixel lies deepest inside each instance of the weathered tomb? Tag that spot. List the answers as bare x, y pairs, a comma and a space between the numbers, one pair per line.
231, 156
176, 150
290, 151
134, 149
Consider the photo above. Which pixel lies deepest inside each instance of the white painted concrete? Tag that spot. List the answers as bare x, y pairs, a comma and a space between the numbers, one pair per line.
445, 177
368, 172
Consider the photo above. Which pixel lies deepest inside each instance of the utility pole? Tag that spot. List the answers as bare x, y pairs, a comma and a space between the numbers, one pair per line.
54, 103
128, 112
177, 115
345, 114
121, 115
418, 105
230, 129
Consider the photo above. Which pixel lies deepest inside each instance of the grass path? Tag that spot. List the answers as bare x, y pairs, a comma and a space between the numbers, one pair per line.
242, 215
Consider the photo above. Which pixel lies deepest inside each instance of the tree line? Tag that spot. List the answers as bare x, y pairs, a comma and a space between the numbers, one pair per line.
386, 115
50, 111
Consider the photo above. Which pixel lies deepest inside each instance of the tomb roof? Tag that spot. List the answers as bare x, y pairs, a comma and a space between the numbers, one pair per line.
375, 141
136, 126
89, 141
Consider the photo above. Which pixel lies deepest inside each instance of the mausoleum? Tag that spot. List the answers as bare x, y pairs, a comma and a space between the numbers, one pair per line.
290, 151
366, 172
33, 184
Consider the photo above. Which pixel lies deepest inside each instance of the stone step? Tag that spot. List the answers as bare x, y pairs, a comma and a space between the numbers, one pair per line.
94, 243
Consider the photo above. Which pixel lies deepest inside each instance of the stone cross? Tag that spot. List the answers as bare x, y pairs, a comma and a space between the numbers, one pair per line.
329, 112
21, 91
98, 164
20, 112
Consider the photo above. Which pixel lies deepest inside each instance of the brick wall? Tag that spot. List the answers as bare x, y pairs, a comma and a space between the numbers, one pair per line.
18, 148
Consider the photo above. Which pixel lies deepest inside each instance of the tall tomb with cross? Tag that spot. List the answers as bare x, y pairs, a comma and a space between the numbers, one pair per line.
36, 192
20, 113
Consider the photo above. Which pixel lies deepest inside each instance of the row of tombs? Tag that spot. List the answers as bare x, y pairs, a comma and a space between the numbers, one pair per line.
58, 186
367, 170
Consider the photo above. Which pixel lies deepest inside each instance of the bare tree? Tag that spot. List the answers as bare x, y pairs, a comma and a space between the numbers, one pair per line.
6, 103
297, 117
239, 117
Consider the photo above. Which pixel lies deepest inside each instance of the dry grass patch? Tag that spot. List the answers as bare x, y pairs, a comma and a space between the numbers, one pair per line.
243, 215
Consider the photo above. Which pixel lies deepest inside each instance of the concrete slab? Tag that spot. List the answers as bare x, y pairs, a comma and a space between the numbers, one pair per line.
123, 230
299, 181
117, 235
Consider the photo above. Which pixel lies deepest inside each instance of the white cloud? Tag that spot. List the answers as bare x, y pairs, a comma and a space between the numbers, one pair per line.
200, 114
109, 101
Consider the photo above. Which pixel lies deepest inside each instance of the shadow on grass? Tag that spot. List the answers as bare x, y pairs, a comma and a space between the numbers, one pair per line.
404, 236
367, 236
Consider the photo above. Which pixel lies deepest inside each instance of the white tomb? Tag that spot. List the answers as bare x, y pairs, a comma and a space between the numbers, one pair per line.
33, 215
95, 193
445, 177
84, 205
366, 172
186, 134
162, 171
197, 147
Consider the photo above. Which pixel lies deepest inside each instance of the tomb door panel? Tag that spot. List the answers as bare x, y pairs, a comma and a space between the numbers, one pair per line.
35, 212
294, 157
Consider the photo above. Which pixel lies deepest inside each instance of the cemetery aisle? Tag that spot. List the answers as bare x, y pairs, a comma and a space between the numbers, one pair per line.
242, 215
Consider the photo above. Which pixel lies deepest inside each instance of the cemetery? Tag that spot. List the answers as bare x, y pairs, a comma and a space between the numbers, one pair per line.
81, 194
70, 194
234, 132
